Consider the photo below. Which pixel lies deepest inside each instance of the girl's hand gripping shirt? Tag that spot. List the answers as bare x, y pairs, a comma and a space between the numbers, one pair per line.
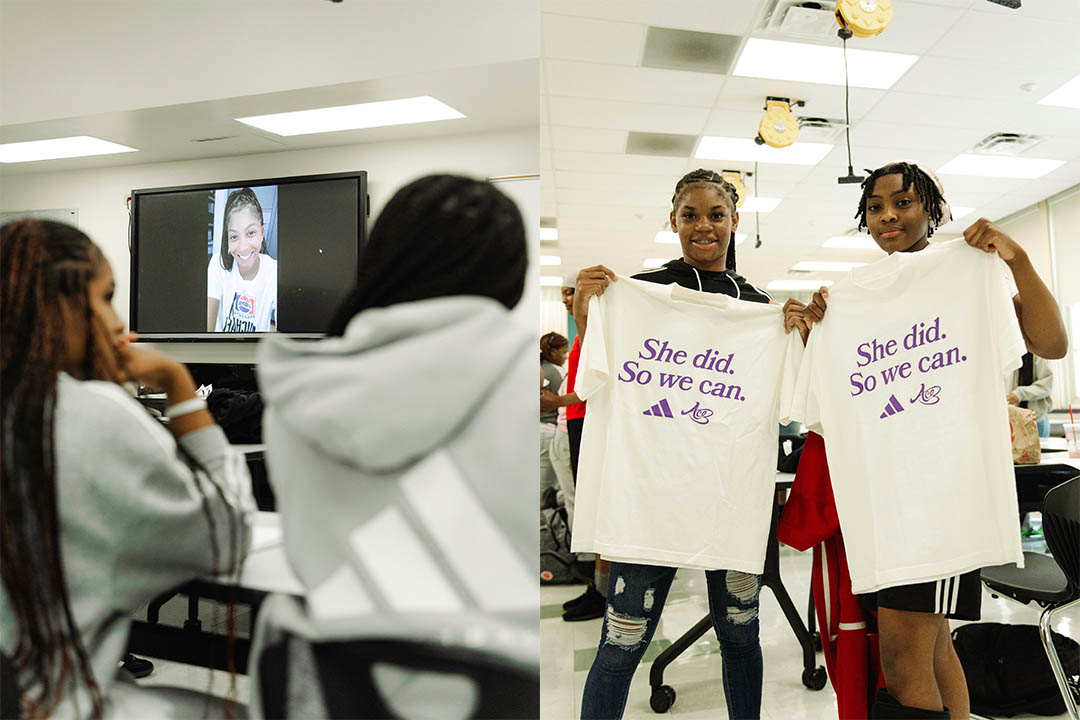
904, 378
678, 451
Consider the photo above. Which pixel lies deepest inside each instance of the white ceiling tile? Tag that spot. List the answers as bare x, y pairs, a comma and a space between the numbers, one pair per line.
915, 29
632, 84
609, 163
641, 117
748, 95
613, 195
597, 181
1055, 10
1012, 38
600, 41
588, 139
730, 18
911, 137
977, 78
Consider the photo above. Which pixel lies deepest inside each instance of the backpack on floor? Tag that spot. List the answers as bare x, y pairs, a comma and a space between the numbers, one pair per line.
556, 560
1007, 669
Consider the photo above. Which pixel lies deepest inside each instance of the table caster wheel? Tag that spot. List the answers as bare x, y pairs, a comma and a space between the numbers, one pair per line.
815, 679
662, 698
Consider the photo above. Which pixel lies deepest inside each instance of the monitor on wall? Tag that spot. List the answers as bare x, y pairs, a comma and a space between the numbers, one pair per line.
237, 260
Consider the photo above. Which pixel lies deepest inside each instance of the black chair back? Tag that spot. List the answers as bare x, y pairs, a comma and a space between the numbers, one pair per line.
1061, 527
345, 672
10, 696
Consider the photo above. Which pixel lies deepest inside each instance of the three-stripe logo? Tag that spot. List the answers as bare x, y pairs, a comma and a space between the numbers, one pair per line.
660, 409
892, 407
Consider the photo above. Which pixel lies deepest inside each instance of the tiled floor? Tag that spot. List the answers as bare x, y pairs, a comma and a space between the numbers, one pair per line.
567, 650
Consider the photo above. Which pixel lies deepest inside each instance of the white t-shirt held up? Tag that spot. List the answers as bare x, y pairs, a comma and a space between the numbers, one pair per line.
678, 452
903, 378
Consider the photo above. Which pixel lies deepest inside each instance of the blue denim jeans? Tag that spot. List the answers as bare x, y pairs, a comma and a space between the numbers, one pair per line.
636, 595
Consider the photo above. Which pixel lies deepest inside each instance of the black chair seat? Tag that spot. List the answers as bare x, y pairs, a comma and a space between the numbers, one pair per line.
1041, 580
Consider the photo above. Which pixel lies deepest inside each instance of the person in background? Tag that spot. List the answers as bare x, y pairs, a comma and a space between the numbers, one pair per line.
553, 351
1030, 387
401, 475
241, 283
102, 508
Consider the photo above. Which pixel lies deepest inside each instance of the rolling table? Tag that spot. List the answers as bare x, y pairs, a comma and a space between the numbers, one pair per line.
813, 676
266, 570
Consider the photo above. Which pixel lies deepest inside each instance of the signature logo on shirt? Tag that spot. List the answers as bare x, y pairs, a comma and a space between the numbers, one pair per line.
927, 395
698, 414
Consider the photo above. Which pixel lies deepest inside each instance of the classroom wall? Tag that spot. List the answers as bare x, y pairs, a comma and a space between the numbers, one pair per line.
1065, 232
99, 194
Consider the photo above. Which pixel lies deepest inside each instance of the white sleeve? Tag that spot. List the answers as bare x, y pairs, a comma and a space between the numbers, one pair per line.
213, 279
793, 355
1041, 385
804, 406
1003, 321
593, 372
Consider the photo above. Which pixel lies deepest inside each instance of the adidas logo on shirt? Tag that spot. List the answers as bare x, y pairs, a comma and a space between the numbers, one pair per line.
892, 407
660, 409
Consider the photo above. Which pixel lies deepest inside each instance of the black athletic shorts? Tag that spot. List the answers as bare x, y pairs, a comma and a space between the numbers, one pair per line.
958, 597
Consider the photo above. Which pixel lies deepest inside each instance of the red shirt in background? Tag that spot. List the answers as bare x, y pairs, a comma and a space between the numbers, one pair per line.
577, 410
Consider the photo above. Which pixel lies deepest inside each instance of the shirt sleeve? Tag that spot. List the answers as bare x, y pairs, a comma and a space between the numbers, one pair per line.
802, 403
593, 372
793, 355
213, 279
1003, 321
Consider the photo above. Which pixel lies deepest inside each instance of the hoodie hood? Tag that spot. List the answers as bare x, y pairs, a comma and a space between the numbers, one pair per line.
400, 383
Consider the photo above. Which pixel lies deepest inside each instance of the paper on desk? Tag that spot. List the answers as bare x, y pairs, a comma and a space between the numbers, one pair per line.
264, 537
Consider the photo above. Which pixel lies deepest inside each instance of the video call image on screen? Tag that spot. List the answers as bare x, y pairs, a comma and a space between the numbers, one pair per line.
208, 259
241, 275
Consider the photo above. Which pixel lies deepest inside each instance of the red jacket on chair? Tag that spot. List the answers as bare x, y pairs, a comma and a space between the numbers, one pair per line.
810, 520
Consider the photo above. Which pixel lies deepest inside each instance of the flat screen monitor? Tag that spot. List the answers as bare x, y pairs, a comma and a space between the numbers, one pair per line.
237, 260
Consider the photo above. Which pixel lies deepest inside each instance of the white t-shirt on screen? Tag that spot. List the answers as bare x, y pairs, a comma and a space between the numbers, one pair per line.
678, 452
245, 305
903, 378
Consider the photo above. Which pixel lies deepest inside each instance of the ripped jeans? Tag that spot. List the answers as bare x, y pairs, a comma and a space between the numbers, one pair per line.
636, 595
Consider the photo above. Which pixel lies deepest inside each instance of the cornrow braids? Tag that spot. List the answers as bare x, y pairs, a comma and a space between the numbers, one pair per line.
238, 200
927, 190
703, 178
438, 236
550, 343
45, 267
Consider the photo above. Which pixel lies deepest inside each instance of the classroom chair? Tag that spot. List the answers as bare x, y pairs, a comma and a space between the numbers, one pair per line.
1052, 582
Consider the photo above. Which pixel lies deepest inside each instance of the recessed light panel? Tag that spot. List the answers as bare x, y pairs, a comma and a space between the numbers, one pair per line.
786, 284
57, 148
354, 117
802, 62
1068, 95
825, 266
999, 166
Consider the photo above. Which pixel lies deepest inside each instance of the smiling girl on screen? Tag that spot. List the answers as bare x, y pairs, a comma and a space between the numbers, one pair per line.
241, 283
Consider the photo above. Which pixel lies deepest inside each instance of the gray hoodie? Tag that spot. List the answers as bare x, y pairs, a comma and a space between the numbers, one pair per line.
402, 459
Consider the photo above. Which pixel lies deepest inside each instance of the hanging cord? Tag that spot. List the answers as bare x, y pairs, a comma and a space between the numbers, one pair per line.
757, 215
851, 178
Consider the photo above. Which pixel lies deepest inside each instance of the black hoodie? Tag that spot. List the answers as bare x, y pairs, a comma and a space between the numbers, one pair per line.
726, 282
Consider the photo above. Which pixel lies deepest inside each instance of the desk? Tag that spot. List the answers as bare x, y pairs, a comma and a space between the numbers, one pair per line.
266, 570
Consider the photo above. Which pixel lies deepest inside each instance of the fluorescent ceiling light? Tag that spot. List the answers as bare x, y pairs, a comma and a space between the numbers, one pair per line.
999, 166
759, 205
549, 234
798, 284
851, 242
550, 260
1068, 95
670, 238
550, 281
67, 147
654, 262
825, 266
354, 117
959, 211
800, 62
746, 150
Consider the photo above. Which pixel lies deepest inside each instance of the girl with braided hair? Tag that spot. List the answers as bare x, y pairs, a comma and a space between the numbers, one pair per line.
553, 351
101, 508
902, 204
398, 447
704, 216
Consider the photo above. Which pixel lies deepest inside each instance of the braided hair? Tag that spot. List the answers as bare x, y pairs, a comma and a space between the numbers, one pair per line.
550, 343
238, 200
925, 188
708, 178
438, 236
45, 271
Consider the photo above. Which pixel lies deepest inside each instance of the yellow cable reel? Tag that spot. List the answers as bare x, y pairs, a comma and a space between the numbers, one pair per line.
779, 128
735, 180
864, 18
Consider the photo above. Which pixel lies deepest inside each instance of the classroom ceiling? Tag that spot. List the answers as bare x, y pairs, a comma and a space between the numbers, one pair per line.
170, 77
981, 69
